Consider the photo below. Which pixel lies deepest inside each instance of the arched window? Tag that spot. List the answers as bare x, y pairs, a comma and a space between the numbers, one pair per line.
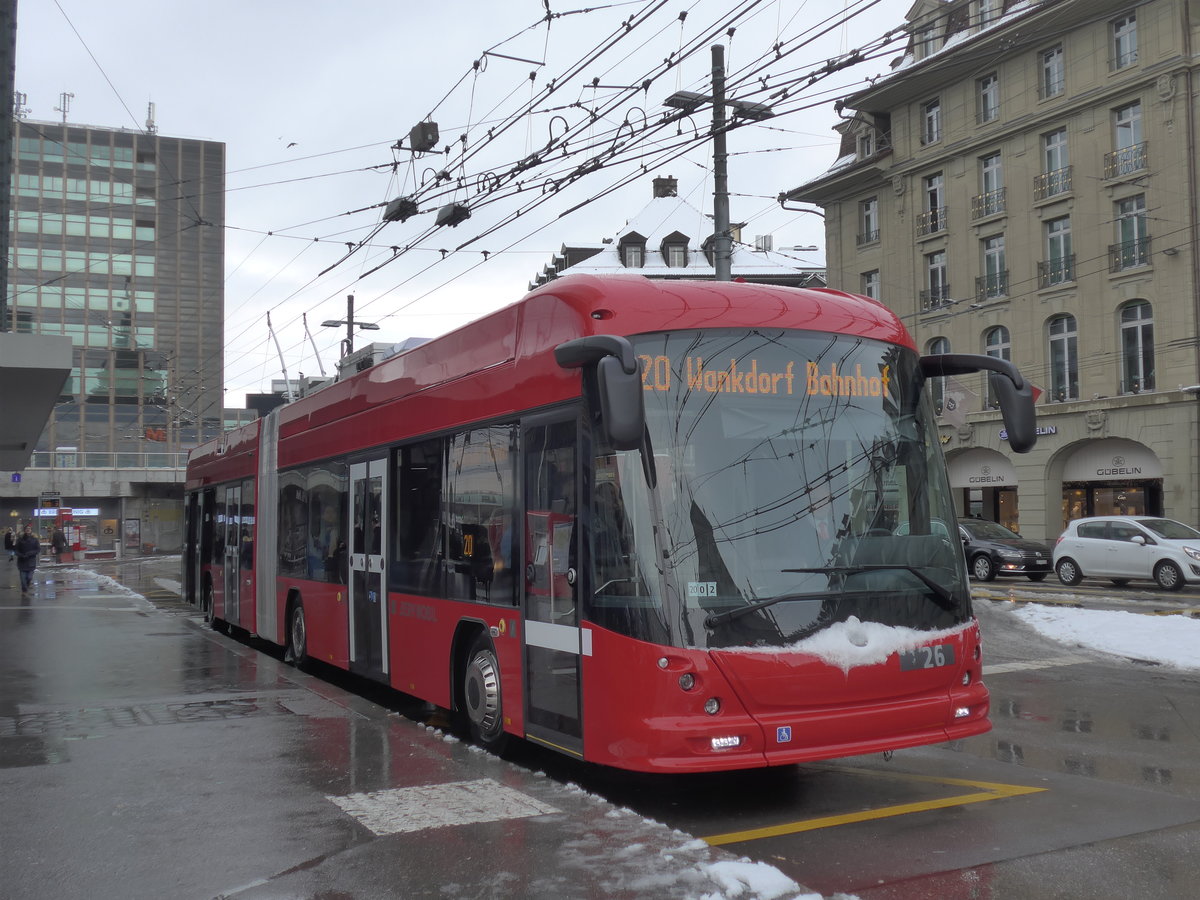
996, 342
1137, 347
937, 386
1064, 358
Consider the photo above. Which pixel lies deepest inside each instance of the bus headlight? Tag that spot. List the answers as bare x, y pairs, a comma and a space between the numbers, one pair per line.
687, 681
712, 706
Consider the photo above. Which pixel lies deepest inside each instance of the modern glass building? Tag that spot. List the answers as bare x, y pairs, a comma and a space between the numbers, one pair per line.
117, 241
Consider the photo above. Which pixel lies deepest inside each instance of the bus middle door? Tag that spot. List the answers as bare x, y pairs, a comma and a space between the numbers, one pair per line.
368, 600
553, 638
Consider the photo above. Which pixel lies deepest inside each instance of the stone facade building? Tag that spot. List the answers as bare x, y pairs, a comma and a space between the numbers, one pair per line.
1024, 183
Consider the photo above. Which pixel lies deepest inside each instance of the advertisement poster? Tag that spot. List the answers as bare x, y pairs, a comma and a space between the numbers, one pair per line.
133, 534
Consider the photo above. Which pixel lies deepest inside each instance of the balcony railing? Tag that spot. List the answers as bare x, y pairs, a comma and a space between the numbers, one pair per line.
867, 237
988, 204
932, 221
935, 297
1051, 87
1125, 161
1129, 254
989, 287
1134, 385
1051, 184
1056, 271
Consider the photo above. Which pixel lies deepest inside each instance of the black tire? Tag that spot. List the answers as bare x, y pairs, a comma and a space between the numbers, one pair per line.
1068, 572
297, 646
1168, 576
1037, 576
1119, 582
983, 568
480, 705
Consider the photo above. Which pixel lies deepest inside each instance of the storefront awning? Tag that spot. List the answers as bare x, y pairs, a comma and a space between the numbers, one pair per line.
980, 468
1112, 459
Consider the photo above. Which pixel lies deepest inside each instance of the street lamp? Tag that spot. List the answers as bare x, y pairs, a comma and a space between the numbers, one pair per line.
350, 323
688, 102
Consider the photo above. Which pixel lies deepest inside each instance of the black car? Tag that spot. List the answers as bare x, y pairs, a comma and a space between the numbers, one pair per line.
991, 550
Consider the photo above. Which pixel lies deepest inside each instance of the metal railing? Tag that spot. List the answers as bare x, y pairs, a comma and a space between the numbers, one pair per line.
934, 297
1051, 184
867, 237
1125, 161
80, 459
988, 204
989, 287
1129, 254
932, 221
1056, 271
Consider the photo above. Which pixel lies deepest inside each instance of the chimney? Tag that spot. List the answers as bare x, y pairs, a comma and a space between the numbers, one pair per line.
666, 187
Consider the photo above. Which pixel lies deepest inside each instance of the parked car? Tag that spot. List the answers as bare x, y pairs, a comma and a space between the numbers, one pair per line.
991, 550
1124, 548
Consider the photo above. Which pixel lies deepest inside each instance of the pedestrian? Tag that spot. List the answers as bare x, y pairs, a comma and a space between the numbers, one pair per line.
10, 544
28, 548
58, 543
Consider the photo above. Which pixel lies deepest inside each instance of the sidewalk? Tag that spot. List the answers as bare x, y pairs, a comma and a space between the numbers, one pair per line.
142, 755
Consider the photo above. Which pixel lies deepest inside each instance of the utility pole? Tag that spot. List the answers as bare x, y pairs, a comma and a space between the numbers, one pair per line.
723, 251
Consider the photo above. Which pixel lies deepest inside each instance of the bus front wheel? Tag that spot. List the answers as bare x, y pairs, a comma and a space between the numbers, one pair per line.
480, 703
297, 649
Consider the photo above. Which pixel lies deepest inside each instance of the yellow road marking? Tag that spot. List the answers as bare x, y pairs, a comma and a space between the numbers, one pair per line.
987, 791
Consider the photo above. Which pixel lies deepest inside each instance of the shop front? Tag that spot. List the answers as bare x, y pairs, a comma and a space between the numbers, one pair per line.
1112, 477
985, 486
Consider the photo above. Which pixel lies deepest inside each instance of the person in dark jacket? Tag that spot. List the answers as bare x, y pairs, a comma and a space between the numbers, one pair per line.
28, 549
58, 543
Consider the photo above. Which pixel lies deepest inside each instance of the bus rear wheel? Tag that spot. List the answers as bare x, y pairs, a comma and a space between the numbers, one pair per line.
480, 704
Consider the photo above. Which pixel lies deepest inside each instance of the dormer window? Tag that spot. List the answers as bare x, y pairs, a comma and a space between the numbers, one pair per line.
675, 250
866, 143
633, 251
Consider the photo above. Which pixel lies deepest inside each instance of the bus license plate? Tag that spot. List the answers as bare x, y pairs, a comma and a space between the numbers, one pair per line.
927, 657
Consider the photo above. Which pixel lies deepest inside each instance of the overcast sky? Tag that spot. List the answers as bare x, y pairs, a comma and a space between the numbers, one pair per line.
309, 97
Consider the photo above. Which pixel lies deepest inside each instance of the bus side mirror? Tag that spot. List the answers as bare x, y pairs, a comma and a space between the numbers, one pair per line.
622, 406
1016, 407
619, 380
1008, 386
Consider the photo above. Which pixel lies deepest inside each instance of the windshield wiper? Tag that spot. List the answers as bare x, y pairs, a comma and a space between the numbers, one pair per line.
714, 619
942, 597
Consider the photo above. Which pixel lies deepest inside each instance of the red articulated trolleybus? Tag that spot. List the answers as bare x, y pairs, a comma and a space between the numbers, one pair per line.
665, 526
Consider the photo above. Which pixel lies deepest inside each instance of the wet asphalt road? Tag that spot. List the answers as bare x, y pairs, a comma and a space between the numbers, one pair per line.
201, 767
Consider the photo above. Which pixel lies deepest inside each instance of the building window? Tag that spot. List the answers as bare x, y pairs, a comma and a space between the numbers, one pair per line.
1064, 358
989, 11
868, 221
925, 41
933, 218
870, 284
676, 256
1133, 243
1054, 74
931, 121
1130, 153
991, 199
1056, 168
994, 282
1137, 347
632, 249
987, 97
937, 290
1059, 267
866, 143
1124, 41
937, 386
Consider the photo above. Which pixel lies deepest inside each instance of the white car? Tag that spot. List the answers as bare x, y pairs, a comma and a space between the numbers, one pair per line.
1124, 548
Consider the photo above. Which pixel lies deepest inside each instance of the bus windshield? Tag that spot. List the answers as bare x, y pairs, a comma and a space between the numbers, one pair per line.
794, 480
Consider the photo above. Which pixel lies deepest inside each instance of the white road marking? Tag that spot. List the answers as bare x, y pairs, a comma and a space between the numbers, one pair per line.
401, 810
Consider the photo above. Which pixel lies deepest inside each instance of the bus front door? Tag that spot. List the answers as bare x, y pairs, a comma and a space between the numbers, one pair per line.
233, 549
368, 601
554, 641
